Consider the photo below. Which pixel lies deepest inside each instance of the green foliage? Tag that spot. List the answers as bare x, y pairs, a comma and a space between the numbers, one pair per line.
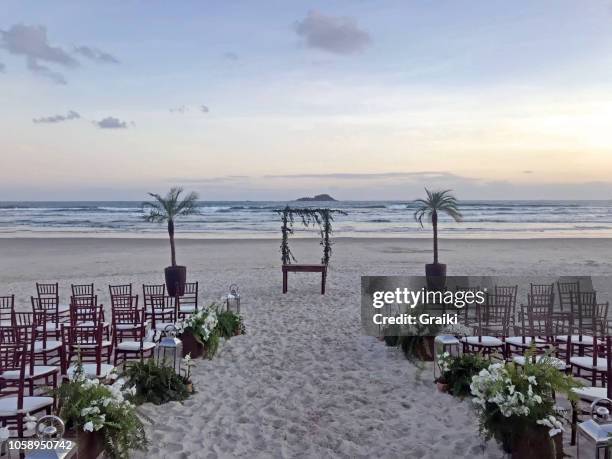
88, 406
170, 206
437, 201
458, 372
155, 382
203, 325
514, 400
309, 216
228, 323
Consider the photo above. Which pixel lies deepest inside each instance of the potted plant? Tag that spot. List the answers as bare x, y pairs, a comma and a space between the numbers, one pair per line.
101, 418
199, 333
230, 324
435, 203
516, 406
155, 382
187, 362
168, 209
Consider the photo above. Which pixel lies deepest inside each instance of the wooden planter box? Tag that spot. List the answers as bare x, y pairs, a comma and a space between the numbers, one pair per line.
537, 444
89, 445
192, 346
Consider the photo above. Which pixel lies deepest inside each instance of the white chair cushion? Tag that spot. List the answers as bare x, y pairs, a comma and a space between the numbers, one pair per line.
557, 363
590, 393
486, 341
105, 343
586, 362
89, 370
189, 308
161, 326
518, 341
127, 326
6, 323
578, 340
8, 405
446, 340
39, 370
49, 326
90, 323
134, 346
51, 346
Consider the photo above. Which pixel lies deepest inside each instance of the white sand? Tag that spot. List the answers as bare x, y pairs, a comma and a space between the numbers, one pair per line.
304, 381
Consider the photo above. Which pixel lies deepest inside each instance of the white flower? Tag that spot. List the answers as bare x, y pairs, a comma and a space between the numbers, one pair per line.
88, 427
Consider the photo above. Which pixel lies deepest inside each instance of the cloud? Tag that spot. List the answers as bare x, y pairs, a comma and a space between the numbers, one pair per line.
45, 71
96, 55
111, 122
71, 115
338, 35
230, 56
204, 109
429, 175
2, 67
31, 42
182, 109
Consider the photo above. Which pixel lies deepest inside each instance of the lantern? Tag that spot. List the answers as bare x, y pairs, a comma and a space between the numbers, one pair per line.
597, 430
168, 344
50, 429
232, 300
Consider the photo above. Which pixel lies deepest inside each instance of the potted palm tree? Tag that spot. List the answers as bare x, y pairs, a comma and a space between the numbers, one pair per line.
435, 203
167, 209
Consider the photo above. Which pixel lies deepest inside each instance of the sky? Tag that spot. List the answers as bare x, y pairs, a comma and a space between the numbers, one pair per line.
360, 99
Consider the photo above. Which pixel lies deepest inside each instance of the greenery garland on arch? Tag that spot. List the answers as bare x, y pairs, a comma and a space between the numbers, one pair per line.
323, 217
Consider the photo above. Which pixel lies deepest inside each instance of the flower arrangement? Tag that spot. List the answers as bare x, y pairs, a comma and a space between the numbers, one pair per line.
203, 327
187, 363
457, 372
517, 406
88, 406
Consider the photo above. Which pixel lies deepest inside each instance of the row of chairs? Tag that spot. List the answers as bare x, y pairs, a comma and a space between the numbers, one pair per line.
39, 348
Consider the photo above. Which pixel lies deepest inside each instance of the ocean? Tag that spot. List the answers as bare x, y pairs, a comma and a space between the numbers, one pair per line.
257, 219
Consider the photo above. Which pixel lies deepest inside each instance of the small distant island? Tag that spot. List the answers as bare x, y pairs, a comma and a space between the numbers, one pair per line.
319, 197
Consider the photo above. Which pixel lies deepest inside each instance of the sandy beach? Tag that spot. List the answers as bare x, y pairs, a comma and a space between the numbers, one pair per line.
303, 381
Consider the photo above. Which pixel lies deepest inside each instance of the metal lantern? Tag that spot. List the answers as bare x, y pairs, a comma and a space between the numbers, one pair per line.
597, 430
51, 429
169, 344
232, 300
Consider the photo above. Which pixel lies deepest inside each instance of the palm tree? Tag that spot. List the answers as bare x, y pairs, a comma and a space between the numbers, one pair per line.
168, 208
436, 202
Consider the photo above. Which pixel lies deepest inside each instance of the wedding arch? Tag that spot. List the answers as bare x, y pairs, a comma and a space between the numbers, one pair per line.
309, 217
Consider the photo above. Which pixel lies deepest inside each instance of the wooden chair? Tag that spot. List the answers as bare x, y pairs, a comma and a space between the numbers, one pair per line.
87, 344
26, 335
120, 290
534, 321
565, 289
510, 290
7, 311
163, 311
82, 290
493, 317
50, 294
47, 309
148, 292
49, 351
14, 404
585, 325
189, 301
129, 335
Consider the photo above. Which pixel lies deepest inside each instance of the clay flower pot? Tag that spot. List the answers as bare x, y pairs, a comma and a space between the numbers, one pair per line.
442, 387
